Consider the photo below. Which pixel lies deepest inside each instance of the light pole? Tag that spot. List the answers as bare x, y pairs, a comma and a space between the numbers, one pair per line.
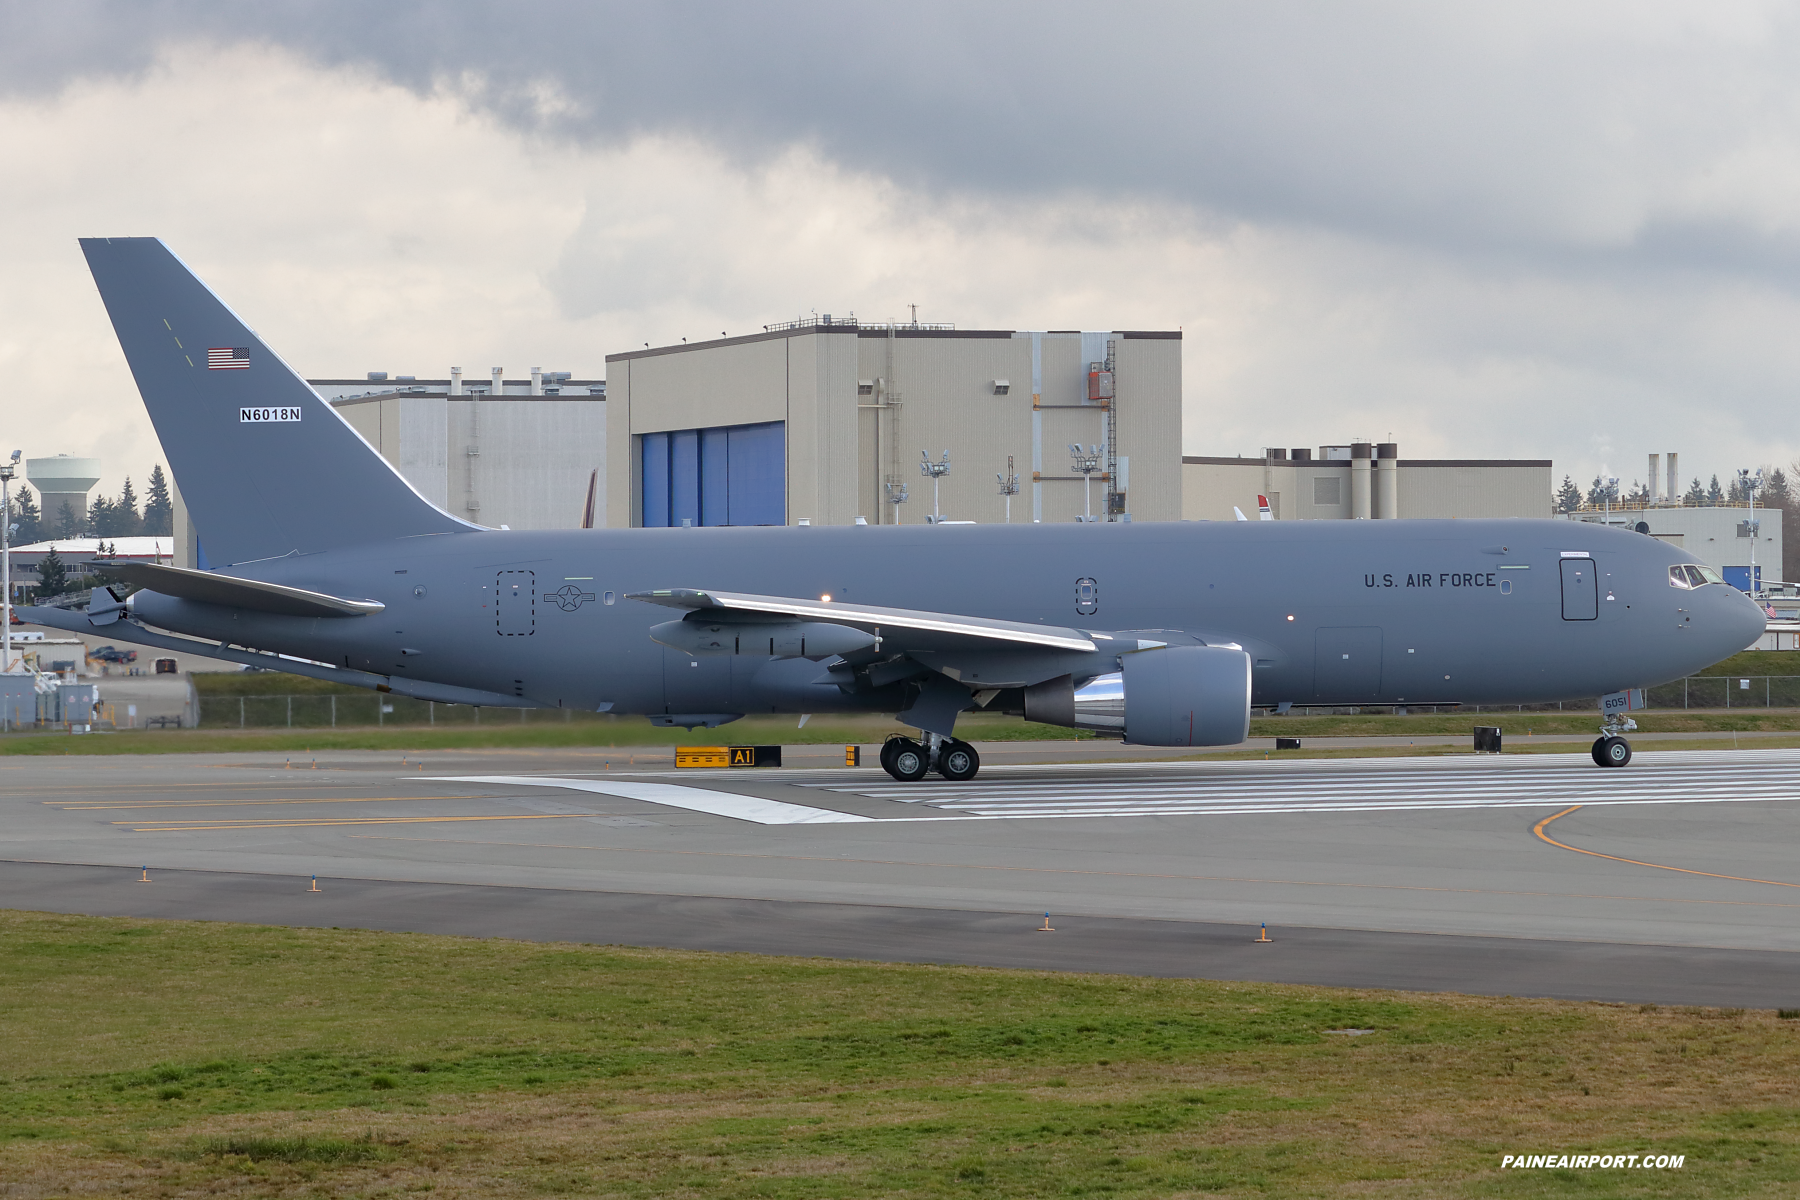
7, 470
1750, 484
1009, 486
1606, 496
896, 497
1086, 462
936, 470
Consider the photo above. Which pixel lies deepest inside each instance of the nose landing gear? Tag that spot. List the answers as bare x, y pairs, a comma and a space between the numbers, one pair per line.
1610, 749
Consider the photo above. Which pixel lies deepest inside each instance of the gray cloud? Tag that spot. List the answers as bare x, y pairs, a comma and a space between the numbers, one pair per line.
1529, 130
1558, 230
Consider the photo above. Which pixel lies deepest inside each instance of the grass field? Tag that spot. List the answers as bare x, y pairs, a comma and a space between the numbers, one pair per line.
151, 1058
635, 733
502, 729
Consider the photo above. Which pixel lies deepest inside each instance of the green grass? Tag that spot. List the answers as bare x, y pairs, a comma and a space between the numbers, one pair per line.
502, 729
1585, 722
1757, 662
628, 733
173, 1059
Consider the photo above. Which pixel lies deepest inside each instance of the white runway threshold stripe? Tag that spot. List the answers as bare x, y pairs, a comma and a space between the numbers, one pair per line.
675, 795
1353, 785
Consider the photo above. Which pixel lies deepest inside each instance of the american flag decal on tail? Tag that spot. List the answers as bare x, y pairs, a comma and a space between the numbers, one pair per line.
228, 358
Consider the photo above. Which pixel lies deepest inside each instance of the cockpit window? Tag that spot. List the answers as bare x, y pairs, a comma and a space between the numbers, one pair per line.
1687, 575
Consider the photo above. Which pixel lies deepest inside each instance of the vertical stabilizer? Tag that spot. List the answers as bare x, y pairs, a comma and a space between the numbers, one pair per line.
265, 466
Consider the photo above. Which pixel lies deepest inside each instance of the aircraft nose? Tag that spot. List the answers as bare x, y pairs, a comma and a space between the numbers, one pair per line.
1737, 620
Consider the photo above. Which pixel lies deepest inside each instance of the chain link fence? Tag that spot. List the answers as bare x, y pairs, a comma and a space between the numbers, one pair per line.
301, 711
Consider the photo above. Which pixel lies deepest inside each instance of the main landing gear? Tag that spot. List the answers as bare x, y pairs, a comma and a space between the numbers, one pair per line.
1611, 750
908, 760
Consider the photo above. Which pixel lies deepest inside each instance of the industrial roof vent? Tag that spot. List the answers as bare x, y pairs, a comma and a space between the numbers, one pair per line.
1002, 387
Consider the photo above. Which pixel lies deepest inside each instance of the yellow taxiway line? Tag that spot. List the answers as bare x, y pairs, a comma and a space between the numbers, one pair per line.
248, 803
195, 827
1541, 825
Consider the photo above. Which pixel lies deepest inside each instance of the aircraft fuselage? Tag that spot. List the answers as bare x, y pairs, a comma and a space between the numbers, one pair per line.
1385, 612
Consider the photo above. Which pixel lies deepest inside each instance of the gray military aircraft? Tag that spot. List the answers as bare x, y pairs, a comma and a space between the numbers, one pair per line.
1164, 634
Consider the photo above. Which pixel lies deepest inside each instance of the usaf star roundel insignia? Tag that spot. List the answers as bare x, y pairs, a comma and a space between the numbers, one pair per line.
568, 597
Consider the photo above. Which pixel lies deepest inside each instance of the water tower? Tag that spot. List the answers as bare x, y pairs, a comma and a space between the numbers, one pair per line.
62, 480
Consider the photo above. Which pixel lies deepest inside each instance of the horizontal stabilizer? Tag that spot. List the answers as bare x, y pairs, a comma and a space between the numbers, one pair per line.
1014, 632
76, 621
204, 587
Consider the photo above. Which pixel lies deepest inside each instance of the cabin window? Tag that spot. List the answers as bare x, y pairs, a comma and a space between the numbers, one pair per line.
1678, 577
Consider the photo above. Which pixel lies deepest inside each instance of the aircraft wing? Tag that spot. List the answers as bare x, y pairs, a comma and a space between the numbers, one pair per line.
995, 634
208, 588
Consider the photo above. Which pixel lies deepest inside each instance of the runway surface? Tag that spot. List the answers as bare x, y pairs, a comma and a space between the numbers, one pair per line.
1672, 881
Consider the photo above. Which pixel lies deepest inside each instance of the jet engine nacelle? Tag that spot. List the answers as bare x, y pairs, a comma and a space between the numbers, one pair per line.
1173, 696
776, 639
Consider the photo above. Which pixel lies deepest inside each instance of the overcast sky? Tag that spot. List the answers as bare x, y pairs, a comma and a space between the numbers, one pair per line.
1541, 231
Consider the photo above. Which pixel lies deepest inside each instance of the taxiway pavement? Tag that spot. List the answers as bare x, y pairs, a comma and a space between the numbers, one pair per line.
1670, 881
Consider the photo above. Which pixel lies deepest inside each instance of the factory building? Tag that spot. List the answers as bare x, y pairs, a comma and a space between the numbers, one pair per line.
1742, 546
1363, 480
827, 422
1742, 543
512, 452
519, 453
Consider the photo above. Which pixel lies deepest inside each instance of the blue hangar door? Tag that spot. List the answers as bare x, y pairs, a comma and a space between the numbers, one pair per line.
726, 475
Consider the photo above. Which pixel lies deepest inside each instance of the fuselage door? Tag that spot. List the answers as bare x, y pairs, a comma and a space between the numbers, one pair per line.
515, 603
1580, 590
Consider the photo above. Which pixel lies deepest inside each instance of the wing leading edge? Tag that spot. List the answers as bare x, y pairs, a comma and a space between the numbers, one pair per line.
996, 633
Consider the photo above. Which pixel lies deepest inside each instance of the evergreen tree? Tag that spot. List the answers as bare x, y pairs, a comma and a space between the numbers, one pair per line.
1602, 493
103, 517
1695, 496
1715, 495
25, 515
125, 512
159, 510
1639, 493
69, 523
53, 579
1776, 493
1568, 496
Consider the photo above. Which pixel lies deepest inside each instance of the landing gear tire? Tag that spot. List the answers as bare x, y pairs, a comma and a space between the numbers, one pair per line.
958, 761
1612, 752
905, 760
